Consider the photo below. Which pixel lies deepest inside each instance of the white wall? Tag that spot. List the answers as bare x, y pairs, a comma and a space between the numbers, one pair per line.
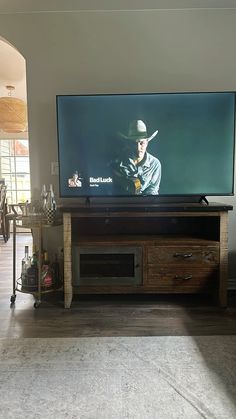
118, 51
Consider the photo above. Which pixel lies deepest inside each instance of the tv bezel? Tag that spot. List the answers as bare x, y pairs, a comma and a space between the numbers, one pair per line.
142, 197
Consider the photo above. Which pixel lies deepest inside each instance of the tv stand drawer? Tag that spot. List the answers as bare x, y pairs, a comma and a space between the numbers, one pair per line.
186, 280
183, 255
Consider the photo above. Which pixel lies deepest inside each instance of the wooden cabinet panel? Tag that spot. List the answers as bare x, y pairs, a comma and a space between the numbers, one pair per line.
183, 255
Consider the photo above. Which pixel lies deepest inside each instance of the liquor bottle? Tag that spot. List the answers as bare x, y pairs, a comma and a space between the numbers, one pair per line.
34, 258
55, 267
47, 278
25, 265
32, 272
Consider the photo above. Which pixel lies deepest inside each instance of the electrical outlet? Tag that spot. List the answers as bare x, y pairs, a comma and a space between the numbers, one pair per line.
54, 168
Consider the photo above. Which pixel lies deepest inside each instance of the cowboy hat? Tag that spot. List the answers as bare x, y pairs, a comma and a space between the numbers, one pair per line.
138, 131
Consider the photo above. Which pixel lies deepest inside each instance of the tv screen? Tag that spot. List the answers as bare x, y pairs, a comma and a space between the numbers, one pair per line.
167, 144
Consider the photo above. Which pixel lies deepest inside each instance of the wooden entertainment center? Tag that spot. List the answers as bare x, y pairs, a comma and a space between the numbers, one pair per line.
165, 248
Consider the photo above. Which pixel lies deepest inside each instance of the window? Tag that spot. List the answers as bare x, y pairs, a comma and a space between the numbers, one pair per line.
15, 170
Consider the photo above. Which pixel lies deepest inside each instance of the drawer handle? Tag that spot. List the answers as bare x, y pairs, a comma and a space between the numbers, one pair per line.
183, 278
183, 255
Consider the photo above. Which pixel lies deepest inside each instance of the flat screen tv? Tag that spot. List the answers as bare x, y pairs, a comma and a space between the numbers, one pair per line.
165, 144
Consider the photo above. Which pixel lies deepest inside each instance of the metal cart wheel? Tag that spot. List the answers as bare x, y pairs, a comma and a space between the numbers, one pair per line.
37, 304
13, 299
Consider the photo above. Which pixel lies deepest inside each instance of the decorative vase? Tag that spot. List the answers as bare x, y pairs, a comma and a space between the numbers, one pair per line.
50, 215
44, 197
50, 206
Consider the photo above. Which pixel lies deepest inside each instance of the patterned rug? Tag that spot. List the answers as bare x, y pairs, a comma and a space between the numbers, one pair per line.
121, 378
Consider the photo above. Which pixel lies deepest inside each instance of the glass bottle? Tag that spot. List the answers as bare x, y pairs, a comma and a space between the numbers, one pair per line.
53, 200
32, 271
55, 267
25, 260
25, 265
47, 278
44, 196
50, 201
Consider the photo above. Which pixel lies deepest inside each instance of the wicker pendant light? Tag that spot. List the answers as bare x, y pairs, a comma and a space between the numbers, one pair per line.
13, 113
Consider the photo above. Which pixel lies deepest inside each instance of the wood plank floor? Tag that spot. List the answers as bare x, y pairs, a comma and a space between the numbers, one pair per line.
106, 315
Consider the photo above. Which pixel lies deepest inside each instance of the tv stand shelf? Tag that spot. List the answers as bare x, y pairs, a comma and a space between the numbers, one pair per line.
180, 248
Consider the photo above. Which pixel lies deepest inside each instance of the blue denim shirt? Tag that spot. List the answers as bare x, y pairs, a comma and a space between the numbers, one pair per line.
148, 171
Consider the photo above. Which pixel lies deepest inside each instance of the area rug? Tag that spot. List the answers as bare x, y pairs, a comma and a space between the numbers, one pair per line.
118, 377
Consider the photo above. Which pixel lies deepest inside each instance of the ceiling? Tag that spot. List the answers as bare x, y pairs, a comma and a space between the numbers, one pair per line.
29, 6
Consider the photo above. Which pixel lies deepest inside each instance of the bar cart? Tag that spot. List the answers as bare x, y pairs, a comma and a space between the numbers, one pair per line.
36, 223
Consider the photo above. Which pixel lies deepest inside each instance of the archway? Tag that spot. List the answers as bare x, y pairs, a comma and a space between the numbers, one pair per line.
14, 150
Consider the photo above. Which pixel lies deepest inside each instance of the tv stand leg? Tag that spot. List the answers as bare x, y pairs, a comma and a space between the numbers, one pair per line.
67, 300
203, 199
